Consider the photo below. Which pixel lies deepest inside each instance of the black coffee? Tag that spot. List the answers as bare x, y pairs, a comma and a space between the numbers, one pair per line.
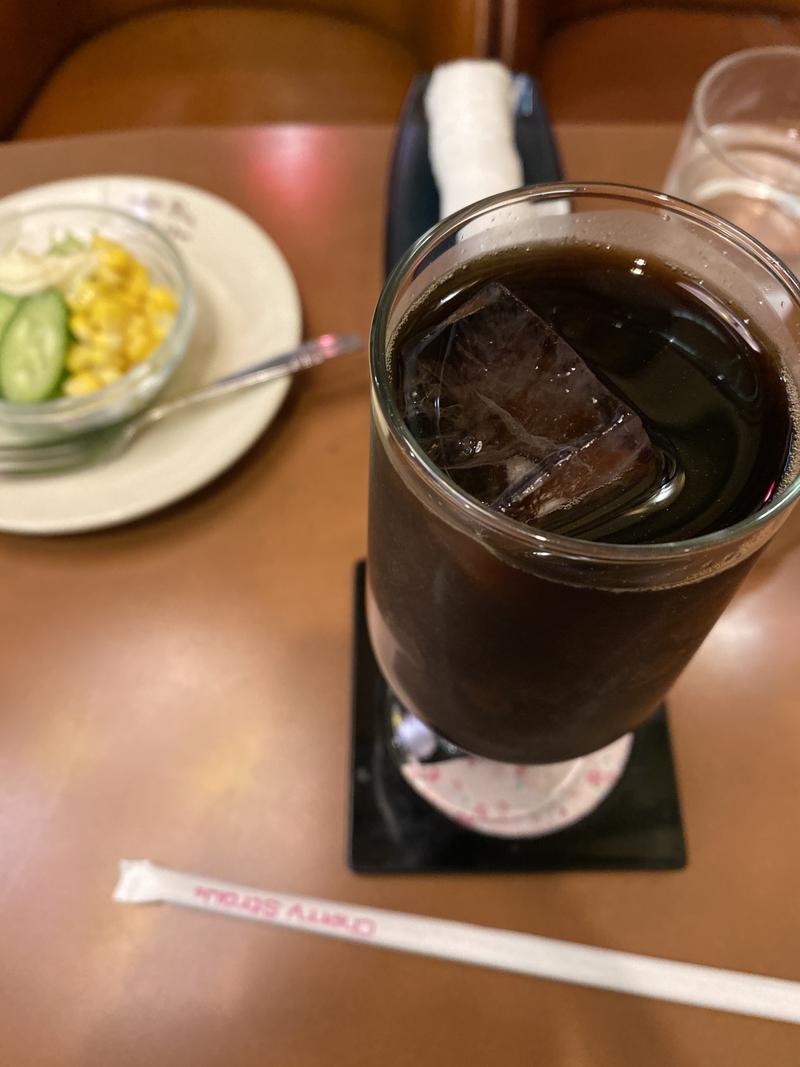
595, 394
583, 392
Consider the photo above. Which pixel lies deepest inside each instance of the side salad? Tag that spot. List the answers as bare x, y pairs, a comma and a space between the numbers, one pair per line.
76, 318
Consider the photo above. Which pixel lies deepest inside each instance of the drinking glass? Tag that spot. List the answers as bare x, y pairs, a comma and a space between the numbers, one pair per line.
740, 151
521, 659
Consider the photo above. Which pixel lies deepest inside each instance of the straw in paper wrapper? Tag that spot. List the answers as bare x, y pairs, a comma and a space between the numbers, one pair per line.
685, 983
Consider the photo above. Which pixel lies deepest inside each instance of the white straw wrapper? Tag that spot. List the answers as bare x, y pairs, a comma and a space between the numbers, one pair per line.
685, 983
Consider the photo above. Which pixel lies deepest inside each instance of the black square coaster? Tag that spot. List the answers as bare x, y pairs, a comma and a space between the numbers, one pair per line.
392, 829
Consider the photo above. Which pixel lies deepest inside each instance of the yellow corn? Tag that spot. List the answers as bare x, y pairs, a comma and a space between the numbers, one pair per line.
82, 384
160, 298
107, 312
138, 280
80, 327
112, 254
78, 359
98, 359
108, 342
108, 375
130, 301
118, 319
137, 323
109, 278
139, 346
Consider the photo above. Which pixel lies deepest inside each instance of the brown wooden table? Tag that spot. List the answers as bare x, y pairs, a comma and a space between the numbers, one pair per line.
178, 689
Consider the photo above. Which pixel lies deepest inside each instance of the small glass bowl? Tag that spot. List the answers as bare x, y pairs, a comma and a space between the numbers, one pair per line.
36, 230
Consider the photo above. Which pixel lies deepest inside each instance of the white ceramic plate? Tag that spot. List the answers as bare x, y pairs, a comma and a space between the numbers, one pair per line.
247, 310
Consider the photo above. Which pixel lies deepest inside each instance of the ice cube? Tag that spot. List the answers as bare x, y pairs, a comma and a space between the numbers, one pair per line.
514, 416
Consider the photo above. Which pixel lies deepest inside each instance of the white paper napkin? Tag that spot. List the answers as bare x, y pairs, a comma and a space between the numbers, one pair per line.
469, 105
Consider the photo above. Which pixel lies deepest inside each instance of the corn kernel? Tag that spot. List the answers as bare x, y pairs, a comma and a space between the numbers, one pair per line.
108, 342
159, 298
78, 359
117, 259
139, 346
108, 375
128, 302
109, 277
111, 253
80, 327
100, 358
107, 312
137, 323
138, 281
82, 384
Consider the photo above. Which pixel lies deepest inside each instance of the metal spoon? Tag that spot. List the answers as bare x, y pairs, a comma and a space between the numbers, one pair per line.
99, 446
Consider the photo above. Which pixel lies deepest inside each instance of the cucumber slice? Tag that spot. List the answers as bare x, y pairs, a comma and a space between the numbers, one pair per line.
33, 348
8, 305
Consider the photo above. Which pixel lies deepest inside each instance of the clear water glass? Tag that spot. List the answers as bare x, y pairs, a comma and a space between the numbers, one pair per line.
739, 155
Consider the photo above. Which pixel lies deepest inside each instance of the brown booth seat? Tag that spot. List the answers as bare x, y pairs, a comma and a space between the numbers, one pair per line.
119, 64
604, 61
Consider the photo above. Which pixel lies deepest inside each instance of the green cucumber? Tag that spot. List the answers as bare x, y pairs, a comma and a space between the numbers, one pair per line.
8, 305
33, 348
